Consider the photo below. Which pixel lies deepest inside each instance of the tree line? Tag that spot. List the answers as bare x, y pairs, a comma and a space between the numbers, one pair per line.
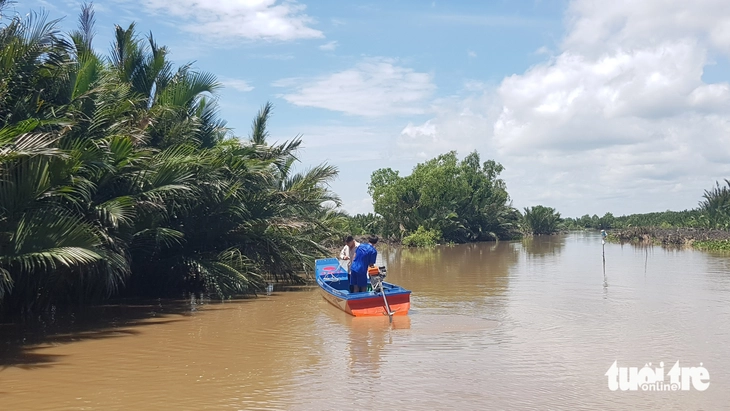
118, 177
712, 212
448, 201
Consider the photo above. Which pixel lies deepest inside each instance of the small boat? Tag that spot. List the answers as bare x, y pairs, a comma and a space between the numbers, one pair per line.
335, 288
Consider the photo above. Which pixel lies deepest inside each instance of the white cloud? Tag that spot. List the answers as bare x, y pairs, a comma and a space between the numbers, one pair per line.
471, 54
328, 46
461, 124
631, 24
617, 98
374, 87
427, 130
619, 119
236, 84
248, 19
355, 148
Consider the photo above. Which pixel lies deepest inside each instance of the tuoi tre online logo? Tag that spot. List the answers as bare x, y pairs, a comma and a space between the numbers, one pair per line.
654, 379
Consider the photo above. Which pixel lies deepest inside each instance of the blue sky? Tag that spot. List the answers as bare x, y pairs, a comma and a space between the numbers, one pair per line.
591, 106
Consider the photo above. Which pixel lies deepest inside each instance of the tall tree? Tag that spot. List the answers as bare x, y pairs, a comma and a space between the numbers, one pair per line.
462, 200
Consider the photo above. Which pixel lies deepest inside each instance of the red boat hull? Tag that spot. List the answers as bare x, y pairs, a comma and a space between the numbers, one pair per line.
371, 306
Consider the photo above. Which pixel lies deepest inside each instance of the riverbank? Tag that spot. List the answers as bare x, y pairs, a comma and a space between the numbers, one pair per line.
699, 238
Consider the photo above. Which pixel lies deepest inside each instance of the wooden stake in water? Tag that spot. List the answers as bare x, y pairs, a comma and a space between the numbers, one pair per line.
603, 246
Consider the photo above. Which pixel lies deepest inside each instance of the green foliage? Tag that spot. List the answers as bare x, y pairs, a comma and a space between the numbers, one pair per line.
364, 224
462, 200
117, 177
716, 206
713, 212
712, 245
665, 219
540, 220
422, 238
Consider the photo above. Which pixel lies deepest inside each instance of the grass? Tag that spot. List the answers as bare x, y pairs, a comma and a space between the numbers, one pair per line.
712, 245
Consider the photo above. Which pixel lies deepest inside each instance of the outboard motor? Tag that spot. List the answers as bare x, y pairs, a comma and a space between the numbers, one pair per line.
376, 274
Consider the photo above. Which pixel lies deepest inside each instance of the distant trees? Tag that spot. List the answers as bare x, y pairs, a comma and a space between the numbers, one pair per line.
460, 201
363, 224
446, 200
592, 222
540, 220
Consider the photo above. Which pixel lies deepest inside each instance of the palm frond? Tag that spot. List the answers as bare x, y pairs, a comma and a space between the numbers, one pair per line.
117, 211
259, 134
29, 144
157, 238
51, 259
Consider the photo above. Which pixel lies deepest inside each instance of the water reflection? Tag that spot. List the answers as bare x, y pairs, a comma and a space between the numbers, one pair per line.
717, 266
22, 343
454, 272
368, 337
542, 245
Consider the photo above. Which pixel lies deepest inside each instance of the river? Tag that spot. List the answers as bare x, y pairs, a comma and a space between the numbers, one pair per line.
534, 324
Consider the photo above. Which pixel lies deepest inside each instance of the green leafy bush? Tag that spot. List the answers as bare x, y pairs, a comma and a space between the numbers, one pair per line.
422, 238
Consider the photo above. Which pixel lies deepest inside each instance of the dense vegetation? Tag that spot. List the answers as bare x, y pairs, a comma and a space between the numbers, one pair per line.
540, 220
713, 212
422, 238
664, 219
715, 206
443, 198
118, 177
364, 224
704, 228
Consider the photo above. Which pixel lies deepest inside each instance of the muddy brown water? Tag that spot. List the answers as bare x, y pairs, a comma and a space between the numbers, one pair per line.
514, 325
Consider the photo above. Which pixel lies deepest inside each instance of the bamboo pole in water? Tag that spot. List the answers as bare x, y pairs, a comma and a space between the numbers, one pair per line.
603, 246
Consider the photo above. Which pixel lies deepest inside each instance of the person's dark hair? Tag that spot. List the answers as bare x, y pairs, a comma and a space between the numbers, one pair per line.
348, 239
373, 239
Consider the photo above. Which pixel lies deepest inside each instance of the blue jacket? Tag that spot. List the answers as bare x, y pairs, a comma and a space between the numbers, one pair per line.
365, 256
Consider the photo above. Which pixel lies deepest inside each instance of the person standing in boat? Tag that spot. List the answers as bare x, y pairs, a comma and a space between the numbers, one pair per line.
365, 256
348, 254
348, 251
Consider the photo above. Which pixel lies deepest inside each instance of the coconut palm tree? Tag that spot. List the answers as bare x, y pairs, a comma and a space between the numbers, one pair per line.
32, 58
715, 206
540, 220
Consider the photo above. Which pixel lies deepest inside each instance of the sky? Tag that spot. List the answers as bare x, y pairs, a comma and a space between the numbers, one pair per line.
590, 106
